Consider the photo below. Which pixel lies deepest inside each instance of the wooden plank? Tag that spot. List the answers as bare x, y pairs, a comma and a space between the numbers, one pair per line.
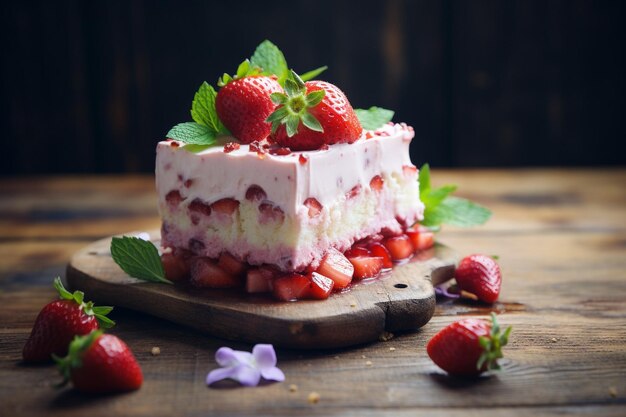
403, 300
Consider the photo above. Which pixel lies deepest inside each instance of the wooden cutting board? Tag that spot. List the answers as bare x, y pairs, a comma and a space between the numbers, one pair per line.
403, 300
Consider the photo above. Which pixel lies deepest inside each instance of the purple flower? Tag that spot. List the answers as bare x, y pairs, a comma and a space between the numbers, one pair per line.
245, 367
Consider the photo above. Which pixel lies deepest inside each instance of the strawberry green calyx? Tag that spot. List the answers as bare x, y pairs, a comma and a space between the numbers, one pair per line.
294, 106
88, 307
77, 347
245, 69
492, 346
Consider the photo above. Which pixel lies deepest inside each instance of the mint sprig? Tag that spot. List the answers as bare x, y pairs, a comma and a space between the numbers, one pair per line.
443, 208
203, 109
374, 117
138, 258
272, 61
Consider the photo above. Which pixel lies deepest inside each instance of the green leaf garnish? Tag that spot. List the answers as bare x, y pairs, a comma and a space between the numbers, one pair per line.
203, 108
309, 75
138, 258
443, 208
268, 57
374, 117
193, 133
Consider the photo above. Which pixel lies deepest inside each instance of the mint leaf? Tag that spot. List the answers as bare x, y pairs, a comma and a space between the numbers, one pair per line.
424, 179
309, 75
268, 57
374, 117
138, 258
203, 108
456, 212
194, 133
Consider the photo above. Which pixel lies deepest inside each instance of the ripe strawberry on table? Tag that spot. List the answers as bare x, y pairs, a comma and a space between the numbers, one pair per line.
243, 103
468, 347
312, 114
100, 363
61, 320
481, 276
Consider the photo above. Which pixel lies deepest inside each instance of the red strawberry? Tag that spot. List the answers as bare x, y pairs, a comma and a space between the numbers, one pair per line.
320, 286
481, 276
336, 267
314, 206
176, 265
366, 266
225, 206
230, 264
292, 287
259, 280
206, 274
378, 249
377, 182
244, 103
356, 250
400, 247
312, 114
100, 363
421, 237
59, 321
468, 347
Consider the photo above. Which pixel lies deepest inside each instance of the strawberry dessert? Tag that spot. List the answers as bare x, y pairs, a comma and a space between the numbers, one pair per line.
280, 186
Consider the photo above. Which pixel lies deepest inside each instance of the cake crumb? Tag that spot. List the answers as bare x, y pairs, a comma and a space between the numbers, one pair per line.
353, 304
385, 336
613, 392
554, 340
363, 357
392, 349
314, 397
293, 388
368, 363
156, 351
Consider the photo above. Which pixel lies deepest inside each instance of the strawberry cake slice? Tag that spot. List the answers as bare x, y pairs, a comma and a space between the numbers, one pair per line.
281, 186
287, 209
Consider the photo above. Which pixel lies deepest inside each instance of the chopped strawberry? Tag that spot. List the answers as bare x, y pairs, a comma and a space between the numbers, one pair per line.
270, 213
314, 206
259, 280
366, 266
336, 267
409, 170
255, 193
354, 191
174, 198
199, 206
321, 286
377, 182
176, 267
356, 250
291, 287
231, 146
206, 274
422, 238
225, 206
378, 249
400, 247
230, 264
302, 159
282, 151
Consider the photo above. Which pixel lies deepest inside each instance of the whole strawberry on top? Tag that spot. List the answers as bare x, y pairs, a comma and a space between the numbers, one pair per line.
481, 276
312, 114
243, 103
59, 321
468, 347
100, 363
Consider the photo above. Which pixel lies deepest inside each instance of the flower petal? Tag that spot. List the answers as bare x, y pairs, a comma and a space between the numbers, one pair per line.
225, 356
264, 355
273, 374
247, 375
219, 374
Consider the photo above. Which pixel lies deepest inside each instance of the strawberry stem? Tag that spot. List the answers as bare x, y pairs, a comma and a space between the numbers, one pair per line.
294, 107
75, 351
88, 307
492, 346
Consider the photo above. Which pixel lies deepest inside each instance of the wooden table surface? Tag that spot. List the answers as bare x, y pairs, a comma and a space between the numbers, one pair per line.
561, 238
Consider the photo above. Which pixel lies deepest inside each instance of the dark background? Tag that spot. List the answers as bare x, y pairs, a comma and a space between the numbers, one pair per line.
91, 86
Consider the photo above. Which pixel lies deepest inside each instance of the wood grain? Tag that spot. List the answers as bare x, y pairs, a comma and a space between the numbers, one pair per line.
561, 238
403, 300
